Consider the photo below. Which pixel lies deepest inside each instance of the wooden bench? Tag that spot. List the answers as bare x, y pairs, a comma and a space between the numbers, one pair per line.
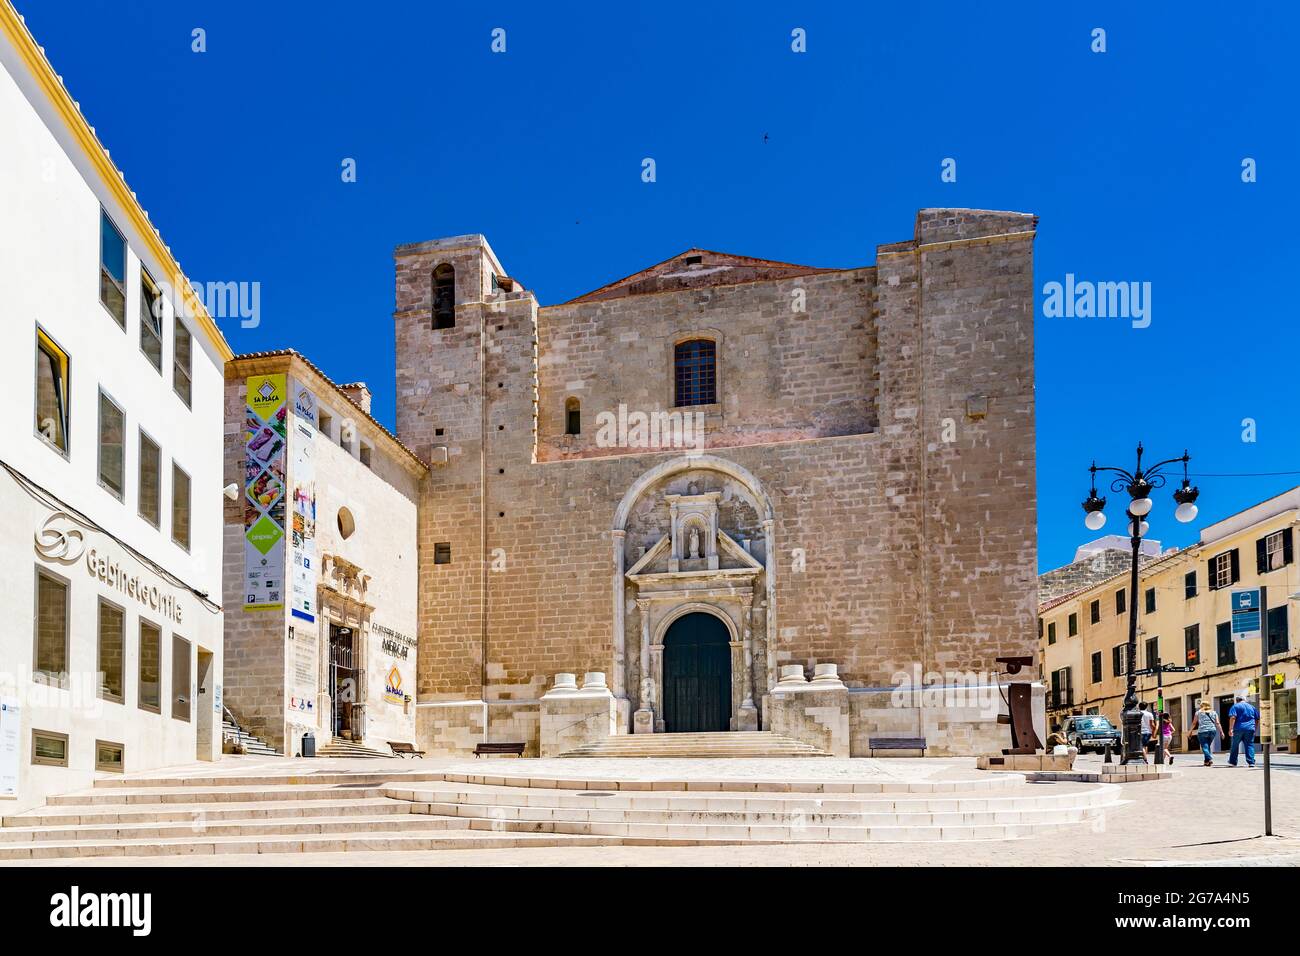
403, 749
499, 748
896, 743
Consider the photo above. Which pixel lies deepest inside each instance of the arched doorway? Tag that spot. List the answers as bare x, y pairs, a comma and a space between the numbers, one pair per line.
697, 675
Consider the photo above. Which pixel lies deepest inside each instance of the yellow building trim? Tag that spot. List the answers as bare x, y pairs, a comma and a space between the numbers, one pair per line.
48, 80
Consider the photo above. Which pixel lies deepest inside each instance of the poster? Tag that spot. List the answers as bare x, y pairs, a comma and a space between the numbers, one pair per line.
302, 659
266, 435
302, 540
11, 719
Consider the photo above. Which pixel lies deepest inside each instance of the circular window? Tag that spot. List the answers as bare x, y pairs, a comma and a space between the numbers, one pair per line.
347, 524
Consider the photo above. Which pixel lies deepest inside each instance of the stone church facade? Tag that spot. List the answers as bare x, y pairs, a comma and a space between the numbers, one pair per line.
714, 478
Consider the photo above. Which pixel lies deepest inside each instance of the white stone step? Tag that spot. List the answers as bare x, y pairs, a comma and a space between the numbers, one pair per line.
100, 814
152, 829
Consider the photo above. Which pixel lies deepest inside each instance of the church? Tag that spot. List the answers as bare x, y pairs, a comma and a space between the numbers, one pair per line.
736, 494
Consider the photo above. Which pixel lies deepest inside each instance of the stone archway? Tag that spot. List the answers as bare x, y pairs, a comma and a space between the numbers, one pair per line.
697, 674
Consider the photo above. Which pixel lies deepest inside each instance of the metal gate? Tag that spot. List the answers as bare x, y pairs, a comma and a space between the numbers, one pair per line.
343, 687
697, 675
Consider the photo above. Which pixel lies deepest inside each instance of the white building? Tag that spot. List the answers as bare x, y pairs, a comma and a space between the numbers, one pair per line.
110, 547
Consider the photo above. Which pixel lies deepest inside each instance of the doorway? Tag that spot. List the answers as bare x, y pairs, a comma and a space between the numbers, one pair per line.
697, 675
1223, 705
343, 680
206, 704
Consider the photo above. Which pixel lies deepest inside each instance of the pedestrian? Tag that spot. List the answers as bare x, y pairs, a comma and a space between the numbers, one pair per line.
1166, 736
1148, 728
1207, 725
1241, 725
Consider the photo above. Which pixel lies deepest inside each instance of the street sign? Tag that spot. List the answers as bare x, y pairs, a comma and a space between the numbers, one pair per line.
1245, 614
1176, 669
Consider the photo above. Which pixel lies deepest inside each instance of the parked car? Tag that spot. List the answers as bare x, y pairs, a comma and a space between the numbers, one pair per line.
1091, 732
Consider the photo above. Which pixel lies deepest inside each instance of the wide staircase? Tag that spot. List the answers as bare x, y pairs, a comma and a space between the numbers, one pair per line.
338, 747
246, 742
304, 812
752, 743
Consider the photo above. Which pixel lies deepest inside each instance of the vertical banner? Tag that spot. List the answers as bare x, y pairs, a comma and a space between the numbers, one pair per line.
264, 492
302, 474
11, 742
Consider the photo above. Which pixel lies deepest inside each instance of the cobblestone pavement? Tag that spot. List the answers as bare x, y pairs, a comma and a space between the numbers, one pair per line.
1200, 816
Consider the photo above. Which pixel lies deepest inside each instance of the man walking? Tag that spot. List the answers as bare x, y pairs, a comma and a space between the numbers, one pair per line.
1148, 728
1241, 725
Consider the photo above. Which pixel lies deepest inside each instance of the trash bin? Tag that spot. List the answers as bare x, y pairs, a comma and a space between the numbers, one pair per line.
309, 744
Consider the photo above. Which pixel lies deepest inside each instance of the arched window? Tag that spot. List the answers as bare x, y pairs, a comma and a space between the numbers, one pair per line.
444, 296
695, 373
572, 417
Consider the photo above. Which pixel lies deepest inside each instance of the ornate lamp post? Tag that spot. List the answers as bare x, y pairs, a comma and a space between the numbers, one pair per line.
1138, 484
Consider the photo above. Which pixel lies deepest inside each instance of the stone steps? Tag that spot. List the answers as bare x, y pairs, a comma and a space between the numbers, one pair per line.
100, 815
247, 742
754, 743
248, 827
336, 747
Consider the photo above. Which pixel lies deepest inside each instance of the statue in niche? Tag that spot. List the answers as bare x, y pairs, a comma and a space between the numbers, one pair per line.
695, 543
692, 488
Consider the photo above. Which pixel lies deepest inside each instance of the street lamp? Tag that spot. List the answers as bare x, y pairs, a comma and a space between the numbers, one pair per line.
1138, 483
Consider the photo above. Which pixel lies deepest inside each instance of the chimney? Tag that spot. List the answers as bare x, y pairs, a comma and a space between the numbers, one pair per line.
359, 395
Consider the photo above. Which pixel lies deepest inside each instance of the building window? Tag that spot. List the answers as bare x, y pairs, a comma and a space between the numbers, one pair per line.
1096, 667
366, 454
112, 446
1273, 551
150, 697
180, 507
1227, 650
1117, 659
112, 269
1051, 633
1225, 570
1094, 612
150, 481
49, 749
1189, 585
324, 421
1072, 623
573, 417
444, 296
151, 316
109, 756
347, 524
182, 371
112, 648
50, 662
1277, 630
1151, 601
1192, 644
442, 553
1062, 694
1040, 628
695, 373
1121, 601
52, 375
1153, 652
180, 678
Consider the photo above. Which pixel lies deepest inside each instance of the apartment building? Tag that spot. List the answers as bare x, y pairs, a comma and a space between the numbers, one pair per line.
110, 551
1183, 609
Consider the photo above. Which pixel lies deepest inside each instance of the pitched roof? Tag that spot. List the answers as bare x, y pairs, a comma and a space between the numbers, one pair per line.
695, 269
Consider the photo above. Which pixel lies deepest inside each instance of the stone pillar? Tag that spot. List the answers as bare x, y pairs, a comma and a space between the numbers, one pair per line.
618, 536
747, 719
643, 721
769, 574
816, 711
573, 717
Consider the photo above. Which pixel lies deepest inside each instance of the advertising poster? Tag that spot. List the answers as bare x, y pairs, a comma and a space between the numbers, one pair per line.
266, 432
10, 745
302, 539
302, 663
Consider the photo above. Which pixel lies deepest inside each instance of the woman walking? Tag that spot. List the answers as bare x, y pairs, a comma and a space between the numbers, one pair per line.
1207, 725
1166, 736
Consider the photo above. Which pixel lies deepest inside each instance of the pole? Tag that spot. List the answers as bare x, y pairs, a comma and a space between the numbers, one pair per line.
1131, 718
1160, 705
1264, 689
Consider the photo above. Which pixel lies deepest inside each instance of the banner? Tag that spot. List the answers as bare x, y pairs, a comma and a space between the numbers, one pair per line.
264, 492
11, 745
302, 474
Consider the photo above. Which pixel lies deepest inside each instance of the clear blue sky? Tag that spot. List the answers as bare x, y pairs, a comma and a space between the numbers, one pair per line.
1131, 158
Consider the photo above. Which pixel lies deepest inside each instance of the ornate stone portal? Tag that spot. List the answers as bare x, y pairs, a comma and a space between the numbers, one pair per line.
694, 566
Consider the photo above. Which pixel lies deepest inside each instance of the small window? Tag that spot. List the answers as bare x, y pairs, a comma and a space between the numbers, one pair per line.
1096, 667
1224, 570
150, 697
444, 297
109, 756
572, 417
695, 373
150, 481
1189, 585
366, 454
182, 370
1151, 601
180, 507
1277, 630
180, 678
49, 749
1117, 659
112, 446
151, 320
347, 523
1192, 644
442, 553
52, 375
1051, 633
112, 647
50, 664
1226, 648
1094, 612
324, 422
112, 269
1273, 551
1072, 623
1153, 652
1121, 601
1062, 692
